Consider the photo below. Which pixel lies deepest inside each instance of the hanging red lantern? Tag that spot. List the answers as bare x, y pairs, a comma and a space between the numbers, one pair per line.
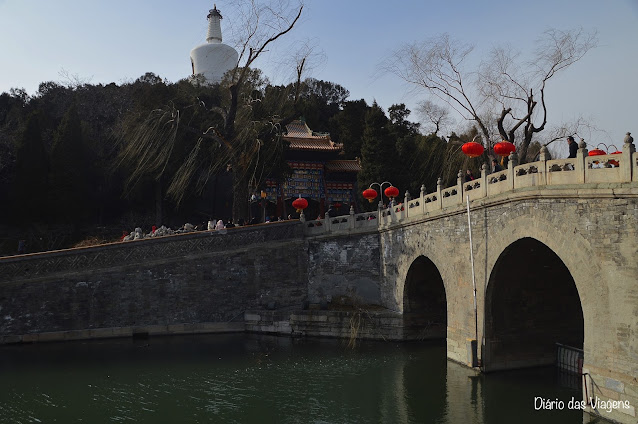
391, 192
369, 194
300, 204
504, 148
337, 205
613, 161
597, 152
472, 149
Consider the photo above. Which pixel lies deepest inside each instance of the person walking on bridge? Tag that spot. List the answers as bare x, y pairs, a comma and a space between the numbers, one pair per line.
495, 166
468, 176
573, 147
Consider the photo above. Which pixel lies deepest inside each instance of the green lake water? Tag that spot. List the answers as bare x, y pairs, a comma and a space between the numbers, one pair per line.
243, 378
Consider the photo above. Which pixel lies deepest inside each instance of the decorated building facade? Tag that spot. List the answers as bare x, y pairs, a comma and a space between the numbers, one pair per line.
319, 174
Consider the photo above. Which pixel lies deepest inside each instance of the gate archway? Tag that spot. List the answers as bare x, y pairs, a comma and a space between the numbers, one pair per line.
531, 304
424, 302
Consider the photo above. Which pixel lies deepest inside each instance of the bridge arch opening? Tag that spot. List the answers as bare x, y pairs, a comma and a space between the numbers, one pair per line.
424, 302
531, 304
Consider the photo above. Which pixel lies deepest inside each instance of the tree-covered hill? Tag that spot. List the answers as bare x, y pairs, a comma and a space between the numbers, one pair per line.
89, 161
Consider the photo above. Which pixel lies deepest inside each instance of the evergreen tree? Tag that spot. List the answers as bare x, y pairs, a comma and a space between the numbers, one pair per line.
401, 127
69, 174
406, 138
30, 182
349, 125
320, 101
378, 153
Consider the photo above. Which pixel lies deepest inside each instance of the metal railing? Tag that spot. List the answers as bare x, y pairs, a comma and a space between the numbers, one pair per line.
569, 359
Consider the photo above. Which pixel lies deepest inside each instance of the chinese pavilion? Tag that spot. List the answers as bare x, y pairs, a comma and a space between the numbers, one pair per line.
319, 175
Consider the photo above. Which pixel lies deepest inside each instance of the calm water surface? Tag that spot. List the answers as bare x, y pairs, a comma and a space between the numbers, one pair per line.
261, 379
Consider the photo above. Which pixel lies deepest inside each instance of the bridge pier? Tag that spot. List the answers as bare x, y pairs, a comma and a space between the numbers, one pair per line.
554, 264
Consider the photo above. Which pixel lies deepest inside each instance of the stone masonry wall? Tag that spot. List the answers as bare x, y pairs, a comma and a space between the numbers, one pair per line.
198, 278
345, 267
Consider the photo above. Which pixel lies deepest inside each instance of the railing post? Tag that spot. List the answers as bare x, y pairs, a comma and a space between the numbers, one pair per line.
439, 200
544, 156
459, 185
406, 199
628, 150
352, 223
326, 222
422, 201
379, 207
511, 174
484, 180
581, 154
393, 215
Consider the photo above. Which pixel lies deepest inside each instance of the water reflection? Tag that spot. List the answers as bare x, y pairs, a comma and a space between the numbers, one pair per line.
250, 379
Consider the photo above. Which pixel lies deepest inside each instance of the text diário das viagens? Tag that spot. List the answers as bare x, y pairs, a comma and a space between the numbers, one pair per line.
541, 403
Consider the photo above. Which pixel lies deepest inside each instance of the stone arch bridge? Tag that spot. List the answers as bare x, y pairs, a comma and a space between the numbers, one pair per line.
553, 259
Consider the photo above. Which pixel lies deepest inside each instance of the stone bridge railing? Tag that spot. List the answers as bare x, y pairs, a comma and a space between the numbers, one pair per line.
584, 169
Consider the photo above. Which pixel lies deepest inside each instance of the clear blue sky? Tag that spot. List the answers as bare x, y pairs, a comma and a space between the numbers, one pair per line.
119, 40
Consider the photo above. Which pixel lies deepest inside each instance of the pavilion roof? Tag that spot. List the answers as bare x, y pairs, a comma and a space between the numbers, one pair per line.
343, 165
301, 137
313, 144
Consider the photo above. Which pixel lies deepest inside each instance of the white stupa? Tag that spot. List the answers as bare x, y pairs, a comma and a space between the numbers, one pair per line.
213, 59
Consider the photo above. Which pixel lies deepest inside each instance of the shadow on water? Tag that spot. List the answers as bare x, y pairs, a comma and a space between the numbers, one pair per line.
260, 379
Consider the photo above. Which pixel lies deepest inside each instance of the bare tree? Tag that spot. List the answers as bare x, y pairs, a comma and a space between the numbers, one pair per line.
432, 114
520, 90
501, 96
306, 57
264, 24
438, 65
73, 80
238, 140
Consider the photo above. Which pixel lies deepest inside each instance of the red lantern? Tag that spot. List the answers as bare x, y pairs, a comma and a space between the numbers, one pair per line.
369, 194
472, 149
597, 152
300, 204
337, 205
391, 192
504, 148
613, 161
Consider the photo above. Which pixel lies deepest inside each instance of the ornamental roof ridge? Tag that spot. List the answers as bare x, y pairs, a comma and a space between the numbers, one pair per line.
300, 129
301, 137
343, 165
300, 143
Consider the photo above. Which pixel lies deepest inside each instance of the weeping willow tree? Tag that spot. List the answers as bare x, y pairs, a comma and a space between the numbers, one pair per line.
229, 126
148, 143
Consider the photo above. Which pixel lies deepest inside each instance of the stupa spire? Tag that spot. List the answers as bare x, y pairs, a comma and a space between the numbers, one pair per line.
213, 58
214, 26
